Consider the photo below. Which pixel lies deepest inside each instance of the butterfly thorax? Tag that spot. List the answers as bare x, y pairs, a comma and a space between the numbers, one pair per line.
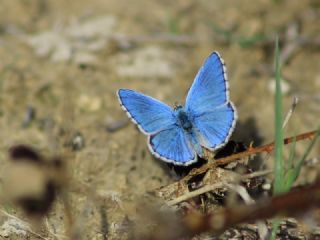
183, 118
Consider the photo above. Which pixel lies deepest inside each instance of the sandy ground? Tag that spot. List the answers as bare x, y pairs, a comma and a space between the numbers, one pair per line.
66, 59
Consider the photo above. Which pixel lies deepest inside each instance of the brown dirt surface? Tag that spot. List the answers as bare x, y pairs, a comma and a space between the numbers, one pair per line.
65, 60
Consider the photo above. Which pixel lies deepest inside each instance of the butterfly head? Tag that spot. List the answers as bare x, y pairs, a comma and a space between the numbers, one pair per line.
183, 117
177, 106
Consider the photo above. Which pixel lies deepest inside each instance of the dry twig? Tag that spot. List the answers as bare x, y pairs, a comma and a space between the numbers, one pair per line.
212, 187
251, 151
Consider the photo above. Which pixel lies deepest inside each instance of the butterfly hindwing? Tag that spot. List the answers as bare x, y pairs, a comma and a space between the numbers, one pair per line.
208, 104
216, 126
149, 114
172, 145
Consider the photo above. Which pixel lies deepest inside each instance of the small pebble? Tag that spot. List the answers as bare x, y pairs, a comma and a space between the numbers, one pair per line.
285, 87
77, 142
29, 116
89, 103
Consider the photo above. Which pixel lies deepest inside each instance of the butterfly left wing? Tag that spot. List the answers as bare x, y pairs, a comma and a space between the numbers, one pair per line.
149, 114
173, 146
167, 140
208, 104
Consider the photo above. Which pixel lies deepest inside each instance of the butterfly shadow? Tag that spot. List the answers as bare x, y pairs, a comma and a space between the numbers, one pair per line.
245, 134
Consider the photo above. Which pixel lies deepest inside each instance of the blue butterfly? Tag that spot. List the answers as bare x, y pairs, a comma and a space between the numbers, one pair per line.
178, 135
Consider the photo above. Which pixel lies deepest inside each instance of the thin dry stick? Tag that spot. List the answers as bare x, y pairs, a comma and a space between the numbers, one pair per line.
286, 120
212, 187
242, 192
192, 39
251, 151
294, 103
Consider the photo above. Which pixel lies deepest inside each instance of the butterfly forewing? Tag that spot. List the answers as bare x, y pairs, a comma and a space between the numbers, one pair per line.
209, 88
149, 114
208, 104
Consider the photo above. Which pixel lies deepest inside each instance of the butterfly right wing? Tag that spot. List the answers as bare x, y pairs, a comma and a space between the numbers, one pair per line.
213, 114
210, 87
215, 126
149, 114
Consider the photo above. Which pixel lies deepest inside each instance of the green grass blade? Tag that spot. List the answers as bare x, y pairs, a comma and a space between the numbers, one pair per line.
278, 186
275, 226
293, 173
305, 155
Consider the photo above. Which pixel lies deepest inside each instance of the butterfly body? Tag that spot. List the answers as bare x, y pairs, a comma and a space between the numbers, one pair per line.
179, 135
183, 119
